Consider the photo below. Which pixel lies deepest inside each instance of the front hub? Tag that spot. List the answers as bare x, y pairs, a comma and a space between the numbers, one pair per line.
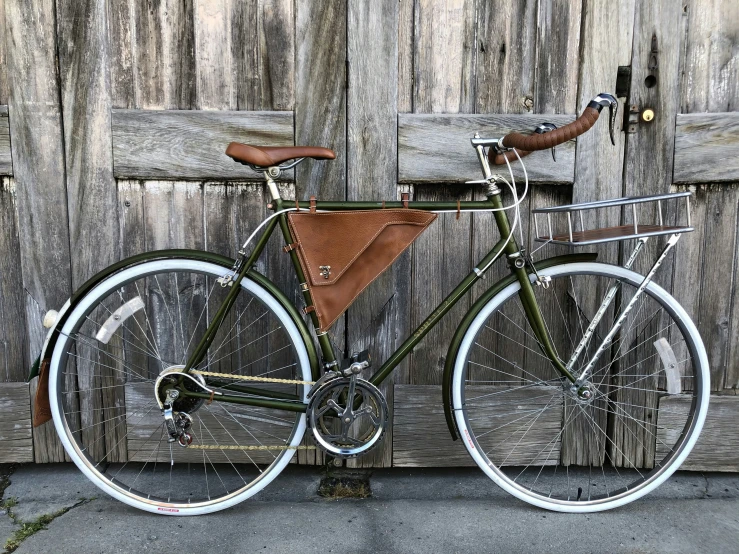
583, 394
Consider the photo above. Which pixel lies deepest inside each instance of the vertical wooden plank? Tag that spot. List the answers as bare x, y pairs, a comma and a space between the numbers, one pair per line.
214, 64
506, 58
648, 170
710, 80
320, 113
264, 54
649, 151
121, 28
378, 320
718, 278
444, 56
14, 354
320, 96
405, 55
91, 194
164, 65
4, 85
598, 164
505, 80
86, 101
557, 56
710, 83
444, 71
504, 75
38, 153
731, 379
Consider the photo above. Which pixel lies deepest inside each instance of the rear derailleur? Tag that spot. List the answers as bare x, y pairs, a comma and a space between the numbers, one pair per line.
178, 423
347, 414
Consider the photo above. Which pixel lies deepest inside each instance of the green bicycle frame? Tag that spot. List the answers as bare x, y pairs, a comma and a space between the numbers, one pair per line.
506, 246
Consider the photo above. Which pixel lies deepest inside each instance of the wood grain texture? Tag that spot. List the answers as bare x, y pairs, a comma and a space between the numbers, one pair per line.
264, 54
714, 315
506, 58
718, 442
710, 79
649, 158
16, 441
378, 320
436, 148
707, 148
214, 61
320, 96
39, 170
162, 51
6, 160
91, 193
557, 56
4, 84
599, 164
121, 27
421, 437
175, 144
14, 354
444, 56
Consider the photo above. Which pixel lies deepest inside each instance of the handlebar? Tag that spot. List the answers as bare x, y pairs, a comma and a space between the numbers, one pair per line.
548, 136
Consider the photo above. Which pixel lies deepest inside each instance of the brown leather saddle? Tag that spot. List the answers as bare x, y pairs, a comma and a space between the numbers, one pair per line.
268, 156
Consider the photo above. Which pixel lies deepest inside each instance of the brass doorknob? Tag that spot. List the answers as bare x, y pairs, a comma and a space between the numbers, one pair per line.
647, 115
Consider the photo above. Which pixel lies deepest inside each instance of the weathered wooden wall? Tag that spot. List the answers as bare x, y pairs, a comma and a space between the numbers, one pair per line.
114, 115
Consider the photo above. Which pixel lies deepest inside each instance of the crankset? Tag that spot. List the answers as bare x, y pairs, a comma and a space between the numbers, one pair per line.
348, 415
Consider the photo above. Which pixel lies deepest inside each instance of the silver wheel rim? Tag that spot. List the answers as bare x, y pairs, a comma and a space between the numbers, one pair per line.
113, 488
657, 477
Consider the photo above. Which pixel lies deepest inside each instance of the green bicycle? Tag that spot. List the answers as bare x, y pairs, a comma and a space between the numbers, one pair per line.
183, 382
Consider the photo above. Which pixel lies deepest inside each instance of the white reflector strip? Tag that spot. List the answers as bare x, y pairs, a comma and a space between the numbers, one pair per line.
669, 361
117, 318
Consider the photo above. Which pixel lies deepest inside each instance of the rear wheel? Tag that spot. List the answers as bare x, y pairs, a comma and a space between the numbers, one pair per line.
141, 324
551, 447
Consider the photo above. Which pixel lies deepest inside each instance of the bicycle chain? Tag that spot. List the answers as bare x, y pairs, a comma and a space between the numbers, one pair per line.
261, 447
253, 378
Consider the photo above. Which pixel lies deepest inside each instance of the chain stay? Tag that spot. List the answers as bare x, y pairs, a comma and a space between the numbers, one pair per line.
261, 447
252, 447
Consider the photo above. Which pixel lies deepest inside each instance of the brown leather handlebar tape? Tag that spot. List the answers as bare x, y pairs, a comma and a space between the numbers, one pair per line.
499, 159
551, 139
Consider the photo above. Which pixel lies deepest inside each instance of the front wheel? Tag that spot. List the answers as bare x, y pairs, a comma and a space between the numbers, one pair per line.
143, 322
549, 446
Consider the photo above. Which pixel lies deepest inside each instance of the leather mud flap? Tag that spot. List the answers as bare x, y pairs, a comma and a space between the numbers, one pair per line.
42, 411
341, 253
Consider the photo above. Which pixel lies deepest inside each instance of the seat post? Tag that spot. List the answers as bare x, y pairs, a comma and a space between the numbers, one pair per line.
271, 174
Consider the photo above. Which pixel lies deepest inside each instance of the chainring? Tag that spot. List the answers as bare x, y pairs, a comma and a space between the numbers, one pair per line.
348, 416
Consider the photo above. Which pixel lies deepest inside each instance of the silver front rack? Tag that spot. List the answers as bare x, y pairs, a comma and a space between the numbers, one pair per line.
635, 229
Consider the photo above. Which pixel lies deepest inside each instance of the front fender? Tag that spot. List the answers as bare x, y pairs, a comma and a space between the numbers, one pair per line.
451, 356
224, 261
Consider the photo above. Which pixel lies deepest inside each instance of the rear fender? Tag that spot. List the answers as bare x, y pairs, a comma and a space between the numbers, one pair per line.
225, 262
470, 316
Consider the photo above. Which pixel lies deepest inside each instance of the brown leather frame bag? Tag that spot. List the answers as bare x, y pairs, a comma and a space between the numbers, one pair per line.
341, 253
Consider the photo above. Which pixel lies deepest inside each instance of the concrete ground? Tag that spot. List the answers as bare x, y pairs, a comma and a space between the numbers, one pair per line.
409, 511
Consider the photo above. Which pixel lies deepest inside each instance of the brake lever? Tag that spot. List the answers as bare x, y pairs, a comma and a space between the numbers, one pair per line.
545, 128
601, 101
